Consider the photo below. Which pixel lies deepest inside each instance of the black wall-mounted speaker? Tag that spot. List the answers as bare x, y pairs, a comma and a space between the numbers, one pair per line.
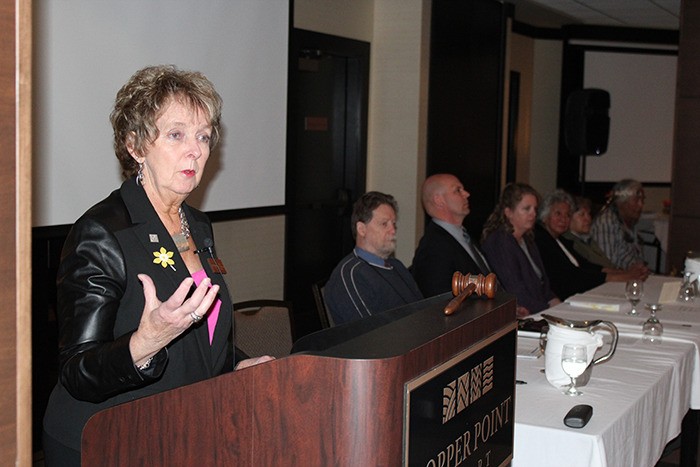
586, 122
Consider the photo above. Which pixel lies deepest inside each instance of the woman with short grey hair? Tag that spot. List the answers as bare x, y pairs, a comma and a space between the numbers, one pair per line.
569, 273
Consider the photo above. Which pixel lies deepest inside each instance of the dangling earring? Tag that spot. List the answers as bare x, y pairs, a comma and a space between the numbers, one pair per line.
139, 175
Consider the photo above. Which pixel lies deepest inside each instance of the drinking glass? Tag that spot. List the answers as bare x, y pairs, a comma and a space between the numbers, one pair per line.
634, 290
574, 360
687, 291
652, 327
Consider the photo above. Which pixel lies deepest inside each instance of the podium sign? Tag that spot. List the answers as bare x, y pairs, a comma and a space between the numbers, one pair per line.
461, 412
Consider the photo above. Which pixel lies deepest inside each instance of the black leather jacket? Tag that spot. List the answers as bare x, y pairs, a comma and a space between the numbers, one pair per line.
100, 302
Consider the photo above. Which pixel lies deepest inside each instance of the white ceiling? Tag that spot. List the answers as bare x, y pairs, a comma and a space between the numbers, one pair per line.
655, 14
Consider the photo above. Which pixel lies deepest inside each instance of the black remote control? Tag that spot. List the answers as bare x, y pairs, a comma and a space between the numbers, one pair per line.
578, 416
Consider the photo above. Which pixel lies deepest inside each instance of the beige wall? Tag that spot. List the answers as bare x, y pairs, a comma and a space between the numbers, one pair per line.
253, 252
521, 58
398, 33
539, 63
544, 131
398, 112
253, 249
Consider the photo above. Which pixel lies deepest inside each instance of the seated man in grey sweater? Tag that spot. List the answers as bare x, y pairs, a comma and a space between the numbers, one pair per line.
369, 280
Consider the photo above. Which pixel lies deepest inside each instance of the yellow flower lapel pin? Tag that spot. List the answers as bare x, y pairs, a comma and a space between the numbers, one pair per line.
164, 258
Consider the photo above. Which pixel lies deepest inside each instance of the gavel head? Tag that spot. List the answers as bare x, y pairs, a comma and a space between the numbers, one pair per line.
485, 285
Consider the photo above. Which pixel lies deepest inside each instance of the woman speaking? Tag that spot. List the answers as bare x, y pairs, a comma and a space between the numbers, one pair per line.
140, 308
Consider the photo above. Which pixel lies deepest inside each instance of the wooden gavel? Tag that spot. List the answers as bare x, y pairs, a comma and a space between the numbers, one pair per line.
463, 285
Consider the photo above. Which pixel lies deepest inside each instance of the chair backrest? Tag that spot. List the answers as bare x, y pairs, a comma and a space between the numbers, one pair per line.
649, 240
263, 327
323, 315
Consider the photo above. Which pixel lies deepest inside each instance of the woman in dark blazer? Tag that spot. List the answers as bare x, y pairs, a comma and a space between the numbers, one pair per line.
569, 273
511, 251
140, 308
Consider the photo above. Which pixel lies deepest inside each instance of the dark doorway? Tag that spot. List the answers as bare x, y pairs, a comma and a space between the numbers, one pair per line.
326, 159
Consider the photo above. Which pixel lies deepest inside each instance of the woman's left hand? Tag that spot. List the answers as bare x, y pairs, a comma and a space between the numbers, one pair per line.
161, 322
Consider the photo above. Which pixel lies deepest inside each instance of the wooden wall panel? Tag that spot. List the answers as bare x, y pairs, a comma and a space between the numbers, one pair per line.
15, 217
688, 57
685, 210
23, 230
8, 368
683, 237
465, 109
686, 164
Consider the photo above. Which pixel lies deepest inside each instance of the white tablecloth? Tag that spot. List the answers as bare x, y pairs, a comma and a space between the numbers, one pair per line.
639, 397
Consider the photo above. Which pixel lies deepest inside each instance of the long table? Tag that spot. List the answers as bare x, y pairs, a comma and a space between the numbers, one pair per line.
639, 397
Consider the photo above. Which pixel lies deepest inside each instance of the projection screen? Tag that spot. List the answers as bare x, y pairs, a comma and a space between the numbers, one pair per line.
642, 89
84, 50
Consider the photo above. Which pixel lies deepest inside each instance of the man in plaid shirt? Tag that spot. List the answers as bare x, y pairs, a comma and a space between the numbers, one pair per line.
614, 229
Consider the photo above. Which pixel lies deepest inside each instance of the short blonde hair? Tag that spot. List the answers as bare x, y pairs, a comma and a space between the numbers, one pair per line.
146, 95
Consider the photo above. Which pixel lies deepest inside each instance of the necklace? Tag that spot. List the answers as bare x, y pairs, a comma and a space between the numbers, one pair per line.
180, 238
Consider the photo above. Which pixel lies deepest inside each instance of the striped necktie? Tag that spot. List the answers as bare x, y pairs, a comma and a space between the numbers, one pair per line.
475, 254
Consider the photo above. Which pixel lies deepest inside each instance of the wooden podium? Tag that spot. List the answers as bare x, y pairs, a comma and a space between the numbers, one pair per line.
410, 386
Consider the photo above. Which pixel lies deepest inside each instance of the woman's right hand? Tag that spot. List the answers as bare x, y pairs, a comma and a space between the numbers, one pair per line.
635, 272
161, 322
248, 362
640, 270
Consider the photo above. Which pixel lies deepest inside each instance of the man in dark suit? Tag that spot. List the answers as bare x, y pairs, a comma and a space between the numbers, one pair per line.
446, 246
